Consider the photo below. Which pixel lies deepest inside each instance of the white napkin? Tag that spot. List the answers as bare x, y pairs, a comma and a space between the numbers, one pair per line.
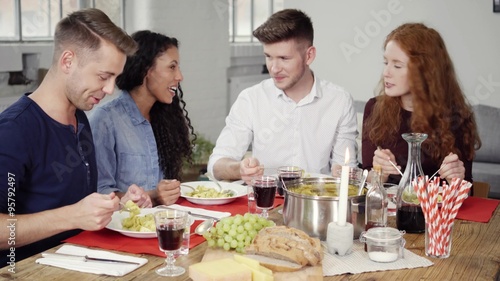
359, 262
194, 211
112, 269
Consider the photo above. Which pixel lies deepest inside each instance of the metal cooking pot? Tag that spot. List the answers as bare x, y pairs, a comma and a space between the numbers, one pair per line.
312, 214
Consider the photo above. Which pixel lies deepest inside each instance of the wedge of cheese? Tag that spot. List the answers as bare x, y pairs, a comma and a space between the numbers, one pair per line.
259, 273
220, 270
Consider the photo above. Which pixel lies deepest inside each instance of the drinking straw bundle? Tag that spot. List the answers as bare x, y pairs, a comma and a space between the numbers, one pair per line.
440, 220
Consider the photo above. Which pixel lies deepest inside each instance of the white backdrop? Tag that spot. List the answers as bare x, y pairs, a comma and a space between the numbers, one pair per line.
349, 35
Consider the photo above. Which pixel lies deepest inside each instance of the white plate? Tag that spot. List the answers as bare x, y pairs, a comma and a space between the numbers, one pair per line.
116, 224
238, 189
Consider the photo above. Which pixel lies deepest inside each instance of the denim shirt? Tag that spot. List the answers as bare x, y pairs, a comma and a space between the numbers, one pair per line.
125, 146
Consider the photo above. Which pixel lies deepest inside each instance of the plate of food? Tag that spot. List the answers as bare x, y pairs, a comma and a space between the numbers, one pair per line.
208, 193
140, 225
137, 225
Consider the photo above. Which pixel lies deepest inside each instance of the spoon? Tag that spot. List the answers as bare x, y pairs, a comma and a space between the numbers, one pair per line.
204, 226
221, 189
212, 178
363, 180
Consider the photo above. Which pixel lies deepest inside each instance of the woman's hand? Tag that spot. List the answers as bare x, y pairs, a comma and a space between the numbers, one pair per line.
381, 158
452, 168
138, 196
168, 191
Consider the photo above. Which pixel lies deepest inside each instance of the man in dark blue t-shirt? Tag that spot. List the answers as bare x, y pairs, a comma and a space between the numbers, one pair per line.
48, 173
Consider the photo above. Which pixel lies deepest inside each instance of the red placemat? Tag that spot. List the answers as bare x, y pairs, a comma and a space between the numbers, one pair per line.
477, 209
112, 240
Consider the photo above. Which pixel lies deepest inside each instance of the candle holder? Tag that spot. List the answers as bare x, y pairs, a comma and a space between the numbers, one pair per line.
339, 239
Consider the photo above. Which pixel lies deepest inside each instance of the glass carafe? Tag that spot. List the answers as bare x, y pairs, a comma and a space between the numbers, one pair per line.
409, 215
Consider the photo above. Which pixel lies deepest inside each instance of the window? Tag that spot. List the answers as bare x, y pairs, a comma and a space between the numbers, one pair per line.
246, 15
35, 20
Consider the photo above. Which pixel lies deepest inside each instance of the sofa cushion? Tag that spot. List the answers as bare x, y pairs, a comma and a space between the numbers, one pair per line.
488, 123
359, 107
490, 173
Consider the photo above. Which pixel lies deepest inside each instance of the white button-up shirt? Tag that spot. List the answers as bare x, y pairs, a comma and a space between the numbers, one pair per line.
312, 134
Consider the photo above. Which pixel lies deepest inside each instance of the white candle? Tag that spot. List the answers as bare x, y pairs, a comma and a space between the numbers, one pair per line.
344, 186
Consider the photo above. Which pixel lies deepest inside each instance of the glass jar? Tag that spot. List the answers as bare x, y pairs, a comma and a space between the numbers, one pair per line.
409, 215
384, 244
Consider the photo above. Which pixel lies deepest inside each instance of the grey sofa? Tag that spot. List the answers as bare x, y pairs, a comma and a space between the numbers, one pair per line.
486, 166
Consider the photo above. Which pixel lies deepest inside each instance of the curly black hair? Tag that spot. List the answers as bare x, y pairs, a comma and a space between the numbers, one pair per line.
171, 125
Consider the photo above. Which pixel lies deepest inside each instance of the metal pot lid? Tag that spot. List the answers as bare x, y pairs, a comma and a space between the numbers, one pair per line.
383, 234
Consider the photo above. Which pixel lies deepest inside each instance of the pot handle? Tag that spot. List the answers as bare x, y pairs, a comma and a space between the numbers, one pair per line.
362, 238
357, 207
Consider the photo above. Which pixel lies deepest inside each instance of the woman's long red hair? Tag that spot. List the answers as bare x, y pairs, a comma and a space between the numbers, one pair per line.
439, 106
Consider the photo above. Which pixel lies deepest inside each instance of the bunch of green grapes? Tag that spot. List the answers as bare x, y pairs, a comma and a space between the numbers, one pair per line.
236, 232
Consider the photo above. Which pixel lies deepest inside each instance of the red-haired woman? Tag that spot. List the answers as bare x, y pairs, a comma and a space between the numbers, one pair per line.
419, 92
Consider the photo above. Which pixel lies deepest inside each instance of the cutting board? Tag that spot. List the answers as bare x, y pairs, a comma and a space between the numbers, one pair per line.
308, 273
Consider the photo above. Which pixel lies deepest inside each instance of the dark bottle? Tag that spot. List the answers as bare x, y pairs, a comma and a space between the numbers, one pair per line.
376, 202
409, 215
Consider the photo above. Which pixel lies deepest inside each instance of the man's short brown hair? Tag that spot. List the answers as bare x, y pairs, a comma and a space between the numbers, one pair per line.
286, 25
84, 29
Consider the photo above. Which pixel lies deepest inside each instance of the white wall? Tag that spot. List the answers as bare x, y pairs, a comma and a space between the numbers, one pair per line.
470, 29
202, 30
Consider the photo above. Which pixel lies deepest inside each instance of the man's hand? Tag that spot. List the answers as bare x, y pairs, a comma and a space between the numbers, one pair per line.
94, 211
250, 168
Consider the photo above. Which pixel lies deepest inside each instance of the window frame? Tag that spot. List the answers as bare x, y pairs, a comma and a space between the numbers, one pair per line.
234, 21
19, 38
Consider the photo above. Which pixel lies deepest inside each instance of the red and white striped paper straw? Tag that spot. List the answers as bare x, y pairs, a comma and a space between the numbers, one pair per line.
440, 221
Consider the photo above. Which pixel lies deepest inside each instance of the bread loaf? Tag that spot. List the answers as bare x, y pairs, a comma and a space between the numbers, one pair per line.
288, 244
277, 265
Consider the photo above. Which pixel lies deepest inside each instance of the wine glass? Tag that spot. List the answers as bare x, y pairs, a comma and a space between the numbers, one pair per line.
287, 176
170, 226
264, 188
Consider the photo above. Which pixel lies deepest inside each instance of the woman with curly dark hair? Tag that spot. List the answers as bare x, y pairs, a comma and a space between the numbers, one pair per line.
419, 92
144, 135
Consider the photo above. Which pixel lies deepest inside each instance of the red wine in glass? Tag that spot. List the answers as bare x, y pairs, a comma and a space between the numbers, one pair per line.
264, 190
264, 195
286, 178
170, 225
169, 237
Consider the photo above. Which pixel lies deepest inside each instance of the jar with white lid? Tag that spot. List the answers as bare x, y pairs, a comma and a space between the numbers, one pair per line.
384, 244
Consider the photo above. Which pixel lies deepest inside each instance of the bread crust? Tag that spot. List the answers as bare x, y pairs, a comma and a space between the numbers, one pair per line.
287, 243
276, 265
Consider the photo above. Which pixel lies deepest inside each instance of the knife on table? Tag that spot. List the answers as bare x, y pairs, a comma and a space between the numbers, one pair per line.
189, 212
84, 258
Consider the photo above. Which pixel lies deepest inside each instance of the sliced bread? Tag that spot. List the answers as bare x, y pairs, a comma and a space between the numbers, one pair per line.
277, 265
288, 244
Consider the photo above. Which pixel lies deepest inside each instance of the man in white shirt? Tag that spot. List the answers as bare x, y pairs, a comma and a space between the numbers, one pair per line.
293, 118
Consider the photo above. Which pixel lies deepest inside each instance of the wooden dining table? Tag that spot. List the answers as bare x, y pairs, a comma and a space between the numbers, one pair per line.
475, 255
